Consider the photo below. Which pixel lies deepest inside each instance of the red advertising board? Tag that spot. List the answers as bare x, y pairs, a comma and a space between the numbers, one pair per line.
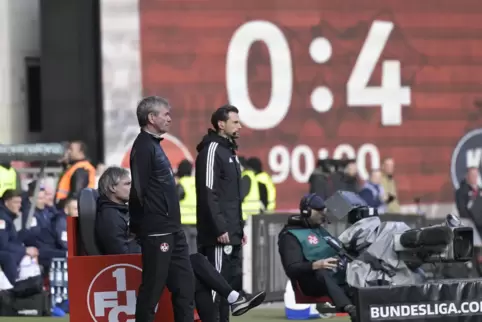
104, 288
354, 78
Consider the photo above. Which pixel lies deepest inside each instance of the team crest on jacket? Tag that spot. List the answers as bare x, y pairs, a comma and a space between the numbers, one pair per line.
313, 240
164, 247
228, 249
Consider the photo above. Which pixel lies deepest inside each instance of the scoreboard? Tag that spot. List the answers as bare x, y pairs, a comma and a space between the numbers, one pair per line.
364, 79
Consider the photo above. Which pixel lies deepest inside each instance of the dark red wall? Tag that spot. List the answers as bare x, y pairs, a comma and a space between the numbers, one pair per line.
438, 43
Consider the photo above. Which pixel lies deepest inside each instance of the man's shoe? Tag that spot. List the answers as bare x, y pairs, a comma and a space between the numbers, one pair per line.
245, 303
351, 310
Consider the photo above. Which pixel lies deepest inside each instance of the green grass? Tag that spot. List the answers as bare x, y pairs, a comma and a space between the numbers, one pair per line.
257, 315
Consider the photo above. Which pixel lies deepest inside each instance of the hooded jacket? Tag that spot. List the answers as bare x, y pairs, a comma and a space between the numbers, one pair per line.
112, 228
218, 190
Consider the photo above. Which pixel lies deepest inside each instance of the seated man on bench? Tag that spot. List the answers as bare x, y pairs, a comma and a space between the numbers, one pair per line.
13, 252
113, 237
308, 259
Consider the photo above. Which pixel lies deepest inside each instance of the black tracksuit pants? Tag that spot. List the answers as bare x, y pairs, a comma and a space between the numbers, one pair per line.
227, 260
165, 261
208, 280
321, 283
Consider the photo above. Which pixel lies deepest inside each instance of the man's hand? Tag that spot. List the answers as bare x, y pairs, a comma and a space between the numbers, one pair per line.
244, 240
390, 198
223, 239
328, 263
31, 251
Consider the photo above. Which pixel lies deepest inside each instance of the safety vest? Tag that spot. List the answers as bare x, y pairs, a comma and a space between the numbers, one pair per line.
63, 188
251, 203
8, 179
314, 246
265, 179
188, 204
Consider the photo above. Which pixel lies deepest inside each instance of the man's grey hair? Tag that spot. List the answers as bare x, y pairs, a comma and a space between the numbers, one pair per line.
110, 178
148, 105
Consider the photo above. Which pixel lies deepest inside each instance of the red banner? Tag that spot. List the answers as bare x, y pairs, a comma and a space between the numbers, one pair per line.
104, 288
363, 79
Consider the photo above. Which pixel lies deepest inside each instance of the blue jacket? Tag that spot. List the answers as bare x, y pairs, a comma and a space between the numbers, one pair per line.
371, 194
60, 228
29, 236
42, 234
9, 239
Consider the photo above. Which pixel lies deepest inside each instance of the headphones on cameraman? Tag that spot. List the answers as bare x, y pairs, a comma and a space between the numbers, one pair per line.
305, 209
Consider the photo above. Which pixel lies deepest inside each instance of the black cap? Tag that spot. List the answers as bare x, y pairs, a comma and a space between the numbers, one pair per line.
312, 201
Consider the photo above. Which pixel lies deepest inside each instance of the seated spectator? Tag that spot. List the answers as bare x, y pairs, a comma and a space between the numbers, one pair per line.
27, 235
41, 233
12, 250
374, 194
113, 237
112, 220
60, 221
49, 188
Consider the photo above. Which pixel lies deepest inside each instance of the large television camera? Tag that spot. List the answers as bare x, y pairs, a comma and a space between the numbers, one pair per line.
447, 242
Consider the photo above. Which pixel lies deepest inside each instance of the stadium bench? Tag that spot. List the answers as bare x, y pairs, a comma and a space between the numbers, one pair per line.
100, 285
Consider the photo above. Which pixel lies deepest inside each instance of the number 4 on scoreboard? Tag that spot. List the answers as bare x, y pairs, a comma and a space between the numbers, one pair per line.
391, 95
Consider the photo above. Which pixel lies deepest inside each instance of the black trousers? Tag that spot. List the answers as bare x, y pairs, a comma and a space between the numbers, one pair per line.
208, 280
165, 261
227, 260
321, 283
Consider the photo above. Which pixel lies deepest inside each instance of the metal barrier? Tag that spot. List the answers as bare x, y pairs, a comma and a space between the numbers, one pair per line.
267, 271
29, 174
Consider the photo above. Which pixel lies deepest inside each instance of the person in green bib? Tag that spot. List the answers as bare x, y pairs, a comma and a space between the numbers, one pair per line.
309, 260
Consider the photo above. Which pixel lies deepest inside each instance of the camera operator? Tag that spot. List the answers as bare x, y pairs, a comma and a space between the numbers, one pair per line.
320, 180
346, 176
309, 260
